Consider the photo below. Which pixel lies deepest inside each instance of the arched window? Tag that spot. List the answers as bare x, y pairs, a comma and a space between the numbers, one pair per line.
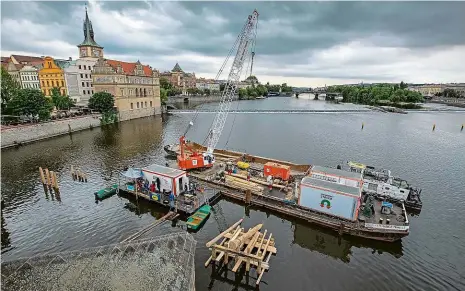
137, 95
145, 92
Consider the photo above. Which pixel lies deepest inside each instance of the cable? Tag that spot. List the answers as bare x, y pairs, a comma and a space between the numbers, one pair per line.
219, 74
238, 40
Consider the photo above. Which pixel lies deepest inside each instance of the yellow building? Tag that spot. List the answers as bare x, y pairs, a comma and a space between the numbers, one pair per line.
51, 76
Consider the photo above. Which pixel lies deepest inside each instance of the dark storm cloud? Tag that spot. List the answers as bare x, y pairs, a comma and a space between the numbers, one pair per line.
291, 33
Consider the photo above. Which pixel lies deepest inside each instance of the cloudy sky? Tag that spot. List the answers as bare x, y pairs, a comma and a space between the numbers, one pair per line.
301, 43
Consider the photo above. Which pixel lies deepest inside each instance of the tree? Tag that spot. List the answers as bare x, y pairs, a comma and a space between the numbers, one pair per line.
102, 101
163, 95
403, 85
242, 94
9, 89
207, 91
165, 84
61, 101
31, 102
252, 79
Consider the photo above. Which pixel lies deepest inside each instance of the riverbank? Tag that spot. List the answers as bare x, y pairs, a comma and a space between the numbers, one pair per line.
32, 132
34, 222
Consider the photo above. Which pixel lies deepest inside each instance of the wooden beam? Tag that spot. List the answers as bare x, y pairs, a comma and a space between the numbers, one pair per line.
238, 242
210, 243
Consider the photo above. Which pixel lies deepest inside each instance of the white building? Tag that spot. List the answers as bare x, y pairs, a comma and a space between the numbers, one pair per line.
207, 84
29, 76
243, 85
78, 76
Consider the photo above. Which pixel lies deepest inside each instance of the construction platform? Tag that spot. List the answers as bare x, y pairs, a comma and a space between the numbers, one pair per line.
246, 248
185, 204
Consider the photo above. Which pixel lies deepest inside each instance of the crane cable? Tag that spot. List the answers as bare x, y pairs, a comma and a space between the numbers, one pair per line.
199, 108
237, 107
224, 64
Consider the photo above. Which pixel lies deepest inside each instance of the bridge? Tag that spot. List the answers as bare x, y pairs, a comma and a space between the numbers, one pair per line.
330, 96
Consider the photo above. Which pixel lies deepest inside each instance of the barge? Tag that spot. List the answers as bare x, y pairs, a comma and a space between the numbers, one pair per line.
381, 183
167, 187
332, 198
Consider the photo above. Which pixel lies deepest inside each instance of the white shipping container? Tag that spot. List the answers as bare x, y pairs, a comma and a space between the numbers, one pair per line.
328, 197
169, 179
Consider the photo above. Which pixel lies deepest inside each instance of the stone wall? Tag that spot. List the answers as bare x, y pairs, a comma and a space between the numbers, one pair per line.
138, 113
34, 132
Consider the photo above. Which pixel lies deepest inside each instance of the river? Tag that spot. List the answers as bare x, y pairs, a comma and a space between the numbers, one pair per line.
308, 258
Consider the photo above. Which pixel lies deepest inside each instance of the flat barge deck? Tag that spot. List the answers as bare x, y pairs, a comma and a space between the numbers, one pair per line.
284, 197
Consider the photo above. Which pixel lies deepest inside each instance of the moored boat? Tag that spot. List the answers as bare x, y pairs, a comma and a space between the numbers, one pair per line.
199, 217
106, 192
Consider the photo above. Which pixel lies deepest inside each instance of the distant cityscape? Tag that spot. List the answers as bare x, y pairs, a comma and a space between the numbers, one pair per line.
134, 85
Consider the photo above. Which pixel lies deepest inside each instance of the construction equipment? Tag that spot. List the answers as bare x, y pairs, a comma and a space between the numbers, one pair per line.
197, 160
193, 160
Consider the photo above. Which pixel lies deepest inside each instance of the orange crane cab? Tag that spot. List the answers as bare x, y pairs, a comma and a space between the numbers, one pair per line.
194, 160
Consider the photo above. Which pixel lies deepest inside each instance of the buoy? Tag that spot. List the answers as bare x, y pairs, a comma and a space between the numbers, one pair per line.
434, 127
461, 129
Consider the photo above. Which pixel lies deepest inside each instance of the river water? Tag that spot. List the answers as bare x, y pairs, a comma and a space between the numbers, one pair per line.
308, 258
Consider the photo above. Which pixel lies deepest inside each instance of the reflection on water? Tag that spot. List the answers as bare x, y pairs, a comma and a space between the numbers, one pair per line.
331, 244
430, 258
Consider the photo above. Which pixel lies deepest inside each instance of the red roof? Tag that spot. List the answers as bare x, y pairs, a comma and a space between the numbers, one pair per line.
128, 68
27, 59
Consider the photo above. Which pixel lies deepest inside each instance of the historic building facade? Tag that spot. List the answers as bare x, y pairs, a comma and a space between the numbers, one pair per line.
29, 76
136, 87
52, 76
209, 84
180, 79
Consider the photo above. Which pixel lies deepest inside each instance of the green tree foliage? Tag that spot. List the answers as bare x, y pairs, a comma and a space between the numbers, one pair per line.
165, 84
252, 79
377, 93
285, 88
451, 93
9, 89
61, 102
102, 101
31, 102
163, 95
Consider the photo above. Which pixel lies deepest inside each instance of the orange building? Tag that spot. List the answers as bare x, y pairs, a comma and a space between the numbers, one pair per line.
52, 76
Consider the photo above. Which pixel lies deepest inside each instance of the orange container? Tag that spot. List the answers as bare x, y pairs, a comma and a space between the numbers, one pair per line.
277, 170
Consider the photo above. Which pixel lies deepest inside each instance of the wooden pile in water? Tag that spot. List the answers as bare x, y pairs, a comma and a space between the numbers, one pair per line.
250, 247
78, 174
49, 178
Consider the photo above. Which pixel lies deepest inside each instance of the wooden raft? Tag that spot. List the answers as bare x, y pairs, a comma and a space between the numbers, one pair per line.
250, 247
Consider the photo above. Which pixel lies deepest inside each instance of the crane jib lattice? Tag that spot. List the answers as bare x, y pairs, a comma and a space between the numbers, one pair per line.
233, 80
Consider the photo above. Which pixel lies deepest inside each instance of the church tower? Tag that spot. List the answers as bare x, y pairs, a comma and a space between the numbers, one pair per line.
89, 48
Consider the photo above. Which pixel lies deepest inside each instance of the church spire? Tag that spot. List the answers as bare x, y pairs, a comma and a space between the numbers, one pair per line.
88, 33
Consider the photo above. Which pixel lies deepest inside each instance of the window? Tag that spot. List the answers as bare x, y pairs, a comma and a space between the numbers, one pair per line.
86, 75
142, 105
88, 84
48, 85
88, 92
150, 103
386, 188
79, 69
145, 103
82, 84
82, 75
84, 92
132, 107
84, 67
62, 84
137, 104
92, 91
43, 83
